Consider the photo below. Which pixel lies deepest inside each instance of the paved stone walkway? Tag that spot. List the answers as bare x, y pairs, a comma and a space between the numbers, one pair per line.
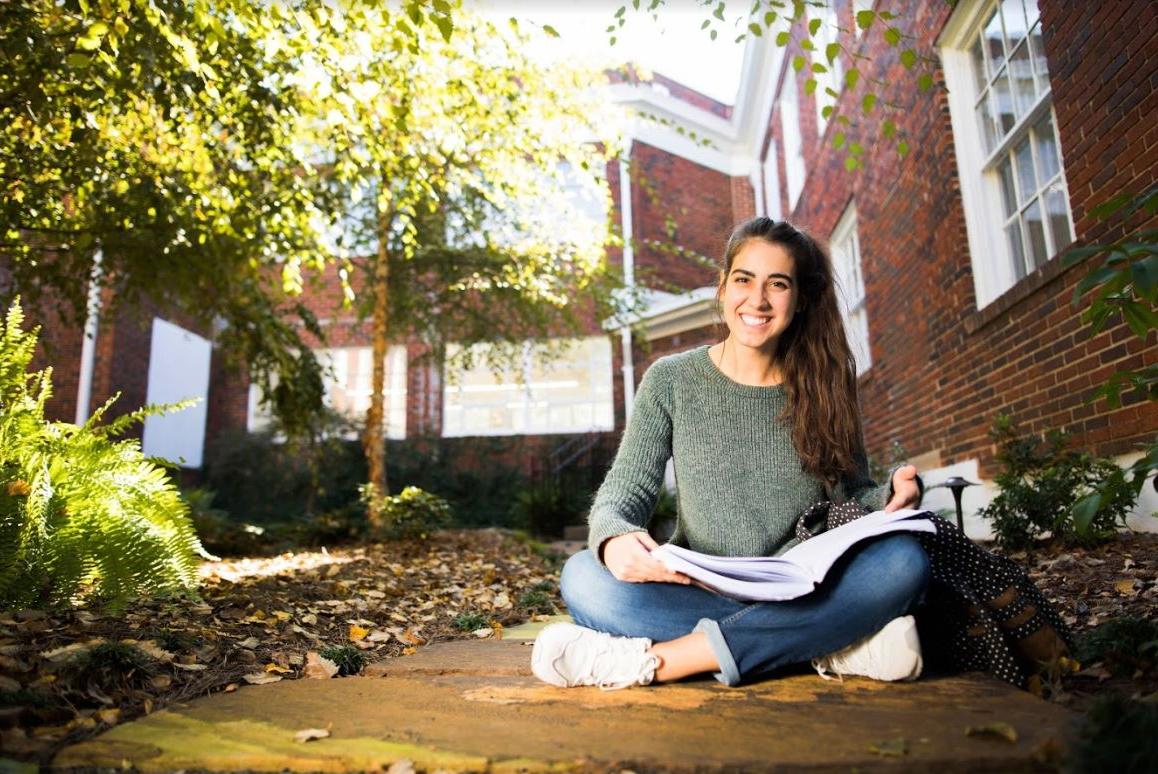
474, 706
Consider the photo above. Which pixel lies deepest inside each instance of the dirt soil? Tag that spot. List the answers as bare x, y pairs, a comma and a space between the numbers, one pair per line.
265, 619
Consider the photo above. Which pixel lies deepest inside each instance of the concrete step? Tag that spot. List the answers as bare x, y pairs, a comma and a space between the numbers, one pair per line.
474, 706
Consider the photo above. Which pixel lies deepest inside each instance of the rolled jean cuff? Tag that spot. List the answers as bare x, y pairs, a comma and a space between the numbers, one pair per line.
729, 673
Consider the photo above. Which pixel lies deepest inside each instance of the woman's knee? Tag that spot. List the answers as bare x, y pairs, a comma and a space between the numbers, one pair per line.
898, 567
581, 581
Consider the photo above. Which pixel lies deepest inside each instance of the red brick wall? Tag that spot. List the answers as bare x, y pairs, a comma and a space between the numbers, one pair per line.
676, 201
941, 368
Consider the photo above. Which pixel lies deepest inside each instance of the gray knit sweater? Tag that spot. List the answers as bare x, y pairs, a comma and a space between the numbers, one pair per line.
738, 477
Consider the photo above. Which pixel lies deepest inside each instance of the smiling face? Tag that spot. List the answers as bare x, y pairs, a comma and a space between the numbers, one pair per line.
759, 295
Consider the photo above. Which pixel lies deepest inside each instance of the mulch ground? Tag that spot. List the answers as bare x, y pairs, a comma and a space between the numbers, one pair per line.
64, 675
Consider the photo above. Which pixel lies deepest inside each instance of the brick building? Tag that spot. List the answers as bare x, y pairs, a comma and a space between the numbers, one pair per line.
957, 303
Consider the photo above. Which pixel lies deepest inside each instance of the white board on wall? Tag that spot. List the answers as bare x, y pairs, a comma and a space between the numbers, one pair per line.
178, 369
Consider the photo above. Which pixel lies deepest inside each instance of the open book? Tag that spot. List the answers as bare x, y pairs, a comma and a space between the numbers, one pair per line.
795, 572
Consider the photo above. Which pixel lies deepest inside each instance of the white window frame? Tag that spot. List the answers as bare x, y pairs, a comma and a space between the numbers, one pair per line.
833, 77
770, 172
857, 7
394, 393
994, 271
526, 395
845, 248
794, 167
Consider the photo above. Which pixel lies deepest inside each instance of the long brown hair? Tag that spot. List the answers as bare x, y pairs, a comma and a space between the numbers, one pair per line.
813, 354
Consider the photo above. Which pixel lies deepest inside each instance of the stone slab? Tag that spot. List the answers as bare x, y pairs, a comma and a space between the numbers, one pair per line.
473, 706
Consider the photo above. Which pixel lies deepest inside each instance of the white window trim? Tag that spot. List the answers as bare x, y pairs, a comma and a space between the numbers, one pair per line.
793, 138
770, 176
258, 416
828, 32
983, 211
846, 229
527, 364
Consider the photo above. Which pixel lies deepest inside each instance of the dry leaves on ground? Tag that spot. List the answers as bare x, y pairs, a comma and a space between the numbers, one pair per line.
65, 675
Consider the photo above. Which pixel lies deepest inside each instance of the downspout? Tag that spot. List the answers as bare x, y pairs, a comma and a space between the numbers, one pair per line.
88, 342
628, 278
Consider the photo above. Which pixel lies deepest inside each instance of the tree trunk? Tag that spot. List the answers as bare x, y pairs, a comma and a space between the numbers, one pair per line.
373, 439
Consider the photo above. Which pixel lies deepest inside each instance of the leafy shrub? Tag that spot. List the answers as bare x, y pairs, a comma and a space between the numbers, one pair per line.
468, 622
1117, 734
347, 658
539, 600
1124, 645
261, 480
1041, 482
412, 513
78, 509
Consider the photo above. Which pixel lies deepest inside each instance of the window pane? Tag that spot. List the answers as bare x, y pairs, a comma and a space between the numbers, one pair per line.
977, 58
1059, 220
1040, 67
1008, 194
1026, 180
1013, 237
1002, 102
1035, 235
993, 44
1047, 158
1014, 15
1031, 14
1020, 72
985, 123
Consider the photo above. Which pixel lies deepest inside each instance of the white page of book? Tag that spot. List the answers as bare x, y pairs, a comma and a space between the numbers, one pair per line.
795, 572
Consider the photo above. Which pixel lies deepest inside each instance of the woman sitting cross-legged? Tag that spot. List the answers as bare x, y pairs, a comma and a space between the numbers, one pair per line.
759, 427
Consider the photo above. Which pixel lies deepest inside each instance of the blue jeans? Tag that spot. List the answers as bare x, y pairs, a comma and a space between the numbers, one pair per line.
876, 582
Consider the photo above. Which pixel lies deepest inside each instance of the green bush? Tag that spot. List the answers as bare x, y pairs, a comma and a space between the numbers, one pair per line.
347, 658
412, 513
469, 622
80, 510
1041, 482
1124, 645
1117, 734
261, 480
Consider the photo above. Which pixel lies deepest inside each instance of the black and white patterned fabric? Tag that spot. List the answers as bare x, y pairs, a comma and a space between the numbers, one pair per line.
981, 612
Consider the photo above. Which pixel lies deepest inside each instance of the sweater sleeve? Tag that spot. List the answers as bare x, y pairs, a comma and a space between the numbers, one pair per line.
873, 496
627, 496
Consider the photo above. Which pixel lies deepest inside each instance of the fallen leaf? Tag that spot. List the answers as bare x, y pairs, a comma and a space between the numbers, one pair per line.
357, 633
403, 766
151, 649
260, 678
249, 643
891, 748
111, 716
8, 685
411, 637
318, 667
230, 688
379, 636
161, 682
282, 615
483, 633
310, 734
998, 729
1126, 587
191, 667
277, 668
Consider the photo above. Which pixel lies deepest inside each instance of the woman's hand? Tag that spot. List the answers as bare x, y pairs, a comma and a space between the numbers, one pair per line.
629, 559
906, 493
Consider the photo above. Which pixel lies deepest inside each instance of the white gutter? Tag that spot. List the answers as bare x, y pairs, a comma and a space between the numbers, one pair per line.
628, 277
88, 343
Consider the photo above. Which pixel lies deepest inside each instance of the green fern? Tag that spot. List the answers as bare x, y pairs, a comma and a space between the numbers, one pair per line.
80, 511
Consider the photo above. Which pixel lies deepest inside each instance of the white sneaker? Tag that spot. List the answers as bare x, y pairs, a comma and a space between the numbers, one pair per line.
893, 653
567, 655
